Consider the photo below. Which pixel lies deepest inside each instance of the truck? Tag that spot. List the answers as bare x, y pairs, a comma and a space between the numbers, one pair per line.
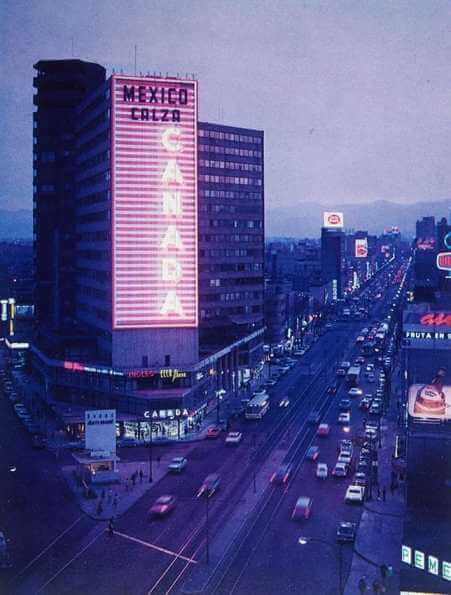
353, 375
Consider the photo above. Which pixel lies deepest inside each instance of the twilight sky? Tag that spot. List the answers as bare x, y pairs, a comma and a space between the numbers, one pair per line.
354, 96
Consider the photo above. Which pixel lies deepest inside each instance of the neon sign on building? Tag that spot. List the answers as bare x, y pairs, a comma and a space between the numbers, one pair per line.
154, 202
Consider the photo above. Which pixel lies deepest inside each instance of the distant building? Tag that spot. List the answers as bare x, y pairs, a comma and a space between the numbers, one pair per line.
425, 228
332, 255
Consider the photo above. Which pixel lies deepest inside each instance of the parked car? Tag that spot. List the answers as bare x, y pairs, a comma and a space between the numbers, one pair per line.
344, 405
282, 475
312, 453
210, 485
322, 471
162, 506
360, 479
213, 432
355, 494
302, 508
344, 457
234, 438
340, 372
323, 430
177, 464
284, 402
355, 391
346, 532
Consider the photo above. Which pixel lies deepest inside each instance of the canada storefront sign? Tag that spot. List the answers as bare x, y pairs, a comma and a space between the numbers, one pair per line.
165, 413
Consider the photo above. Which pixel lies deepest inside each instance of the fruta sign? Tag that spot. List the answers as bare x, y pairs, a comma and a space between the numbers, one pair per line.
171, 243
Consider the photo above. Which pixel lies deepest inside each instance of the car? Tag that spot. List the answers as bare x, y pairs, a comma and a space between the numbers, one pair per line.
355, 391
177, 464
345, 365
344, 418
371, 379
346, 532
344, 457
314, 418
312, 453
355, 494
375, 409
162, 506
340, 372
234, 438
271, 382
284, 402
359, 360
213, 432
210, 485
322, 471
323, 430
360, 479
302, 508
365, 404
340, 470
363, 466
344, 405
345, 445
19, 407
282, 475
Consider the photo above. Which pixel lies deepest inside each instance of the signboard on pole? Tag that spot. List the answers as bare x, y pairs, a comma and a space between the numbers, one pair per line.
361, 248
100, 431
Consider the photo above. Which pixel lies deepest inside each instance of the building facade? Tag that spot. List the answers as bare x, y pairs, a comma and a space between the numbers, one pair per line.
332, 254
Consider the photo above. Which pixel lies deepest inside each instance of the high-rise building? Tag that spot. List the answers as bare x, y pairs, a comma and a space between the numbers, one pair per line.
425, 228
160, 232
60, 86
332, 253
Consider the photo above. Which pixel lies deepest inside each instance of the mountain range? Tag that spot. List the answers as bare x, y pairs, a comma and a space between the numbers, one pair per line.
307, 219
304, 221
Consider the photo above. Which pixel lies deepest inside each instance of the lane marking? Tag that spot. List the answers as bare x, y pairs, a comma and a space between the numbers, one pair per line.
156, 547
51, 579
52, 543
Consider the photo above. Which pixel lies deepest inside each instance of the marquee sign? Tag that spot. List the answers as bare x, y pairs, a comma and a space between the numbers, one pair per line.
444, 262
332, 219
361, 248
154, 202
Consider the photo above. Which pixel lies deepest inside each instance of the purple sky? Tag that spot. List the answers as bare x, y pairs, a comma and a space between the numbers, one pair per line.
354, 97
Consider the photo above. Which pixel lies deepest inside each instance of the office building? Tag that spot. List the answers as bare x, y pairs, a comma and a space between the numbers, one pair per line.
425, 228
332, 254
160, 232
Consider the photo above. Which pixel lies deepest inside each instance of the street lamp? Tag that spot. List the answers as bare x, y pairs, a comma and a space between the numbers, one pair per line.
305, 540
219, 394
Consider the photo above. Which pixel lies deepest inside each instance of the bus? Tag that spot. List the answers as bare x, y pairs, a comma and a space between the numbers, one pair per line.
257, 406
353, 375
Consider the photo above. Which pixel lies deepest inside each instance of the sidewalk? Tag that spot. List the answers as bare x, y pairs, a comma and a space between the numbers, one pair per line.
380, 530
119, 497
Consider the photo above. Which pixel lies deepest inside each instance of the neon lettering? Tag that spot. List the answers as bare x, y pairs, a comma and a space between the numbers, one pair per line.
172, 239
172, 202
172, 174
172, 304
170, 140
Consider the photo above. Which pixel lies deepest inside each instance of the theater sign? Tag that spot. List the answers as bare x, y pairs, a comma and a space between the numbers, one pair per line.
154, 202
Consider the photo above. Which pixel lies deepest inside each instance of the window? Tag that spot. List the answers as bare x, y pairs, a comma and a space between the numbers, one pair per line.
167, 360
145, 361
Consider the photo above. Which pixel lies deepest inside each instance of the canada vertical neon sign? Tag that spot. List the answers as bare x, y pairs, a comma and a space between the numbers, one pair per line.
154, 202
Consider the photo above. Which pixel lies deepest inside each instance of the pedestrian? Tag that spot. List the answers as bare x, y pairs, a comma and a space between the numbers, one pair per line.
141, 475
110, 528
384, 493
115, 502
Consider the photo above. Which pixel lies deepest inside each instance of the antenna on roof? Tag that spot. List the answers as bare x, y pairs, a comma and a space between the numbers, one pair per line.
136, 54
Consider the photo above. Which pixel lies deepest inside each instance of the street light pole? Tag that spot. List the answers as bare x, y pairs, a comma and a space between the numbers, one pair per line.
150, 453
207, 527
339, 556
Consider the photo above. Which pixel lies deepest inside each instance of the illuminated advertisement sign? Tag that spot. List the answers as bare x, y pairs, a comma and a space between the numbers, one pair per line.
418, 560
447, 240
430, 401
425, 243
333, 219
361, 248
100, 431
154, 202
444, 262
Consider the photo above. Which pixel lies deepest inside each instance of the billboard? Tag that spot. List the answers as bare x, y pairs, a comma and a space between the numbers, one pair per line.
432, 401
361, 248
154, 202
100, 431
332, 219
444, 262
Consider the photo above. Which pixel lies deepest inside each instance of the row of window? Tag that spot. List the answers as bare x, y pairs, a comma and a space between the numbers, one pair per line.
100, 276
92, 199
206, 313
222, 150
233, 296
226, 208
98, 294
229, 180
232, 136
94, 254
231, 281
230, 165
231, 267
97, 312
95, 236
230, 194
228, 252
236, 223
222, 238
96, 216
95, 160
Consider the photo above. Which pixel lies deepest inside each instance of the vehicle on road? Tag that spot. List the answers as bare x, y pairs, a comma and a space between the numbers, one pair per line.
340, 372
312, 453
355, 392
282, 475
323, 430
355, 494
162, 506
345, 365
344, 405
371, 379
344, 457
284, 402
213, 432
359, 360
322, 471
257, 406
314, 418
340, 470
360, 479
271, 382
344, 418
234, 438
302, 508
353, 375
346, 532
178, 464
210, 485
365, 404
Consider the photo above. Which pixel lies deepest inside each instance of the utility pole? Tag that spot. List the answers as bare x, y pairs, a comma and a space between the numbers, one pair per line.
150, 453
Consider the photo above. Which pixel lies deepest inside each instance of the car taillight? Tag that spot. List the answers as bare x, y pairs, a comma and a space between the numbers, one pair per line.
273, 477
285, 478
